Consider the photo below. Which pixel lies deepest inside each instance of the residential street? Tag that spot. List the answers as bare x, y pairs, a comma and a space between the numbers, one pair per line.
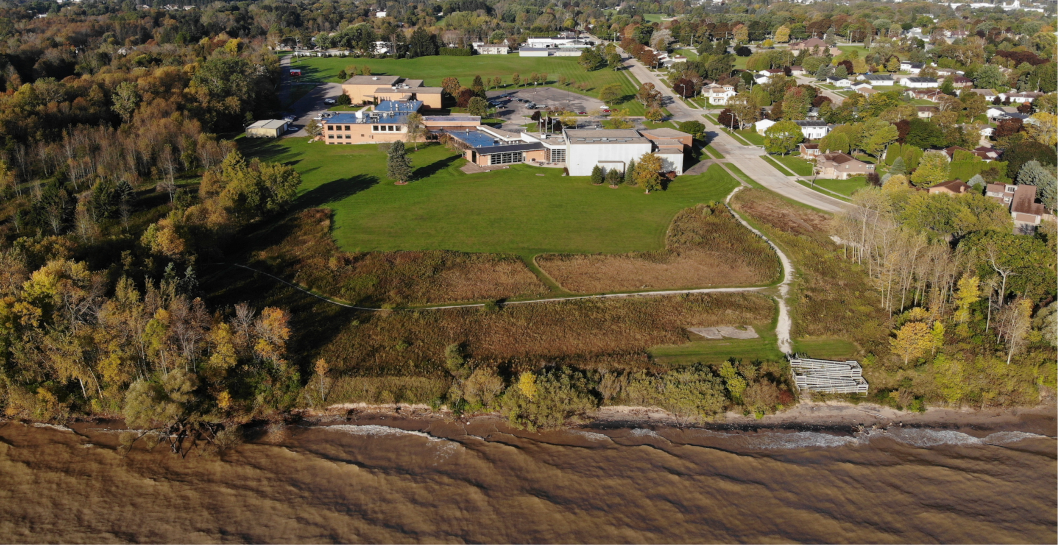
746, 158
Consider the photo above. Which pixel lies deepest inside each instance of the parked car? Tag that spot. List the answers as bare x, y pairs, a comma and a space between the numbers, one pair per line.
329, 101
581, 113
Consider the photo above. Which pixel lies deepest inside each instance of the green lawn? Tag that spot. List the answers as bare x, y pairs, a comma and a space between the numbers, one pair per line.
844, 187
780, 168
742, 175
751, 136
829, 348
432, 69
523, 210
795, 164
690, 53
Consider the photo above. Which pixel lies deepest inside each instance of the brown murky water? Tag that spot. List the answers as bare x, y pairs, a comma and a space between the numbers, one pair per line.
454, 483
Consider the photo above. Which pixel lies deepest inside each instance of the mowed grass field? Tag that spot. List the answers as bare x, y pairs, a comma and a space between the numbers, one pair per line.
522, 210
432, 69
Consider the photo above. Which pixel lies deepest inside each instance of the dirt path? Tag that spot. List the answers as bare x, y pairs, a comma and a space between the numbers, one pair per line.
517, 302
783, 318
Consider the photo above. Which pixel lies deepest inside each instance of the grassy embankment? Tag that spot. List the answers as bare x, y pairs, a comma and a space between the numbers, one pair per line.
433, 69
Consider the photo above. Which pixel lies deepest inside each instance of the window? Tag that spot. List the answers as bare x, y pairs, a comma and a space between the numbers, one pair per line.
331, 136
559, 155
375, 128
506, 158
347, 128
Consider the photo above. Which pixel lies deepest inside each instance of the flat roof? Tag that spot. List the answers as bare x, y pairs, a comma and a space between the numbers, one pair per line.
398, 106
452, 118
372, 80
268, 124
594, 136
476, 138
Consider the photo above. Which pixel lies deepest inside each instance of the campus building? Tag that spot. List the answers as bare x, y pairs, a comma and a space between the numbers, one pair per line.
579, 150
374, 89
388, 122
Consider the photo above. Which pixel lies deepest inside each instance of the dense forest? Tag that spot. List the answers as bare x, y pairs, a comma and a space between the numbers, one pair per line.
119, 181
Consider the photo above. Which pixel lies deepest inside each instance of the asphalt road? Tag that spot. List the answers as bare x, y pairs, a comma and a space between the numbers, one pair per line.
747, 158
311, 104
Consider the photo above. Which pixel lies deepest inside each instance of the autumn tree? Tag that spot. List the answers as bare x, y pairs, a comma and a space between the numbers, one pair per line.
611, 93
783, 137
415, 129
647, 172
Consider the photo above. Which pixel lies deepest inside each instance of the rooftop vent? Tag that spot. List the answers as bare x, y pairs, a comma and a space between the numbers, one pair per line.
375, 77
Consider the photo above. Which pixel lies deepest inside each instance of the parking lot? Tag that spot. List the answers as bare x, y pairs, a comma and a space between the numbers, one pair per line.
515, 111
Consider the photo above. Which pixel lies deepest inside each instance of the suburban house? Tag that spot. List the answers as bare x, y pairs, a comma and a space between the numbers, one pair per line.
962, 81
798, 71
719, 94
917, 82
988, 94
820, 45
841, 166
814, 129
1020, 98
837, 81
995, 113
266, 128
952, 187
878, 79
926, 112
579, 150
911, 67
1026, 214
865, 89
373, 89
932, 95
388, 122
490, 49
809, 151
762, 79
763, 124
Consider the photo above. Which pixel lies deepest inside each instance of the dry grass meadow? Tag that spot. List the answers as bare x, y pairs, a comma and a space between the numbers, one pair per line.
705, 246
302, 250
612, 334
832, 297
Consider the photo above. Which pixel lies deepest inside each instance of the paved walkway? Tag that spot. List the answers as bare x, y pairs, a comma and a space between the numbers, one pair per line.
746, 158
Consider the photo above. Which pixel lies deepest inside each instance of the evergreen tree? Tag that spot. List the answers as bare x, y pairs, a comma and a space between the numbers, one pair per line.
630, 179
898, 167
398, 165
597, 176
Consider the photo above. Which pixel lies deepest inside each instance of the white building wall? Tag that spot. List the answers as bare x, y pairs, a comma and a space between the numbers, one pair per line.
581, 158
814, 133
672, 162
525, 53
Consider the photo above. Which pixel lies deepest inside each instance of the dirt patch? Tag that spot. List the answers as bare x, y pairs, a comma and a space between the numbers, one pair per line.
771, 209
705, 246
719, 332
307, 255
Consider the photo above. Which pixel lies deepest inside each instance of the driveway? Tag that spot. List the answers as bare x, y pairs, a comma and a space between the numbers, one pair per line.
747, 158
311, 104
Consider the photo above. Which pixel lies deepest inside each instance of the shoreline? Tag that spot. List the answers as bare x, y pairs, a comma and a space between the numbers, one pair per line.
808, 416
835, 417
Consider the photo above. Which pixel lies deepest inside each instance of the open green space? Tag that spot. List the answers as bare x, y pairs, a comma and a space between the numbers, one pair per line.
742, 175
829, 348
795, 164
844, 187
751, 136
715, 351
772, 162
523, 210
433, 69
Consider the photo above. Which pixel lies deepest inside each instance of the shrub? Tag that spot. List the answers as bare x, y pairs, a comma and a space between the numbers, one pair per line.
560, 395
455, 52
